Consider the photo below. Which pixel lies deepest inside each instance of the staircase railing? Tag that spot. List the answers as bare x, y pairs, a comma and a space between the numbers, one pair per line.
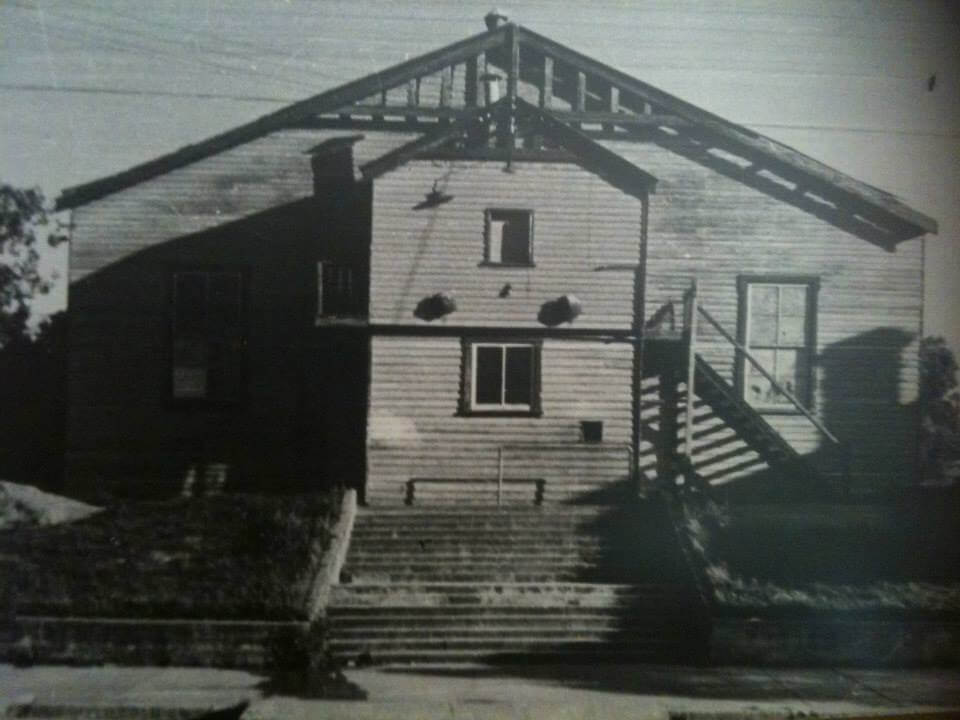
693, 309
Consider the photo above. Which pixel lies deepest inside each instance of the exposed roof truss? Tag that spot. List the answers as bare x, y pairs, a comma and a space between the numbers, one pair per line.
446, 88
506, 131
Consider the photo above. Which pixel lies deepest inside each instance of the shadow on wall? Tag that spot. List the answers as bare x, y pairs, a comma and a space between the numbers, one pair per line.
32, 395
297, 417
861, 382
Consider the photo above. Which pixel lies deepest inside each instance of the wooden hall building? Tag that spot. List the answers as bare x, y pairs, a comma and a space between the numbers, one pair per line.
491, 271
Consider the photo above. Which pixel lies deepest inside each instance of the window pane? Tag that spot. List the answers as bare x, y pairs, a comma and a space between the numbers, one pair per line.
778, 325
519, 380
792, 331
224, 300
338, 290
190, 296
763, 299
190, 359
792, 372
189, 382
508, 237
516, 239
207, 335
495, 240
793, 301
489, 375
758, 389
225, 373
763, 329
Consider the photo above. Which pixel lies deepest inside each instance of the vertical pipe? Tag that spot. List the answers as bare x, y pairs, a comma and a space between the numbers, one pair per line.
691, 369
446, 86
639, 341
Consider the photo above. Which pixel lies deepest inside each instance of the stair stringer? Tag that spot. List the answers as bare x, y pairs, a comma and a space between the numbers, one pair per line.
731, 440
771, 451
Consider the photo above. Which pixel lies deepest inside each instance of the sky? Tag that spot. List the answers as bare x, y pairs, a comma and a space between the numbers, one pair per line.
872, 88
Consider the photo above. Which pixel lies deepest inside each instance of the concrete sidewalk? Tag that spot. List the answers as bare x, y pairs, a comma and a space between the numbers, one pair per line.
482, 691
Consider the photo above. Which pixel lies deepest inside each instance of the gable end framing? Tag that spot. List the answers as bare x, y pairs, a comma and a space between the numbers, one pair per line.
600, 95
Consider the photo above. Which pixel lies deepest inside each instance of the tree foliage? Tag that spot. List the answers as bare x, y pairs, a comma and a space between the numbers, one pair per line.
940, 430
26, 221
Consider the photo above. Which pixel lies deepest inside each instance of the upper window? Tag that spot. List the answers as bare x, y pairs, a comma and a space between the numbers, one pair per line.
208, 340
502, 377
339, 293
777, 328
509, 237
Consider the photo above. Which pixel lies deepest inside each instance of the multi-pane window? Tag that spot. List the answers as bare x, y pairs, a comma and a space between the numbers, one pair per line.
339, 294
509, 237
503, 377
208, 338
778, 332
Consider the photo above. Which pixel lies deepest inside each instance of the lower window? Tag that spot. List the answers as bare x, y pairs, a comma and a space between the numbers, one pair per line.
208, 338
501, 377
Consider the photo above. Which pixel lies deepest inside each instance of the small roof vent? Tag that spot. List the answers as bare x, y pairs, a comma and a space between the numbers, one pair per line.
494, 19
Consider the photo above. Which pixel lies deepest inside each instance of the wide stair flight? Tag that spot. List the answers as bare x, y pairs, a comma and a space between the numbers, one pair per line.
437, 584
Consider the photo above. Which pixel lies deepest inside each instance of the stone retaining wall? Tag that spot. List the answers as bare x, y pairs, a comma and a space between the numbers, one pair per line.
211, 643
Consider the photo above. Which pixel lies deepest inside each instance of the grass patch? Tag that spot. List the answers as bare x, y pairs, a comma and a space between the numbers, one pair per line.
231, 556
900, 557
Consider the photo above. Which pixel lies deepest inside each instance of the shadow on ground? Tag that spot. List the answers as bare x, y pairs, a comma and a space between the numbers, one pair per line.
742, 684
322, 685
666, 621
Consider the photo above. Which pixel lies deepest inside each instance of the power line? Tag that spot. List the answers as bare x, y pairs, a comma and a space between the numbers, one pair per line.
29, 87
26, 87
119, 38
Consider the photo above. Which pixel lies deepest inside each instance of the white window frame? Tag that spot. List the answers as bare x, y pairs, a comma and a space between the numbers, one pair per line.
805, 351
503, 406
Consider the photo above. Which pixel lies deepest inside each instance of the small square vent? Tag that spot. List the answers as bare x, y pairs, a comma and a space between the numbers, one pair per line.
592, 430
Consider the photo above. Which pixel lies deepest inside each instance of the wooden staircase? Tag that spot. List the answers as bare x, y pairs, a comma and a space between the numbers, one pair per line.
438, 584
751, 444
749, 425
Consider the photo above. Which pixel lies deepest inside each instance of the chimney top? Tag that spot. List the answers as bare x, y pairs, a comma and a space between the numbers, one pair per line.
494, 19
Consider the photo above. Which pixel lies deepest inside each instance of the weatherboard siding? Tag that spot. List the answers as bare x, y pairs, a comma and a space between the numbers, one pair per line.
252, 208
869, 320
581, 224
252, 178
415, 429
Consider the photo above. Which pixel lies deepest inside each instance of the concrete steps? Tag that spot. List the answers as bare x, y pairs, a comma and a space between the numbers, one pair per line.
435, 584
501, 594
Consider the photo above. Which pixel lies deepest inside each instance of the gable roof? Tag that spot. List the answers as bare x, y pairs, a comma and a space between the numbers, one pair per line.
623, 105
